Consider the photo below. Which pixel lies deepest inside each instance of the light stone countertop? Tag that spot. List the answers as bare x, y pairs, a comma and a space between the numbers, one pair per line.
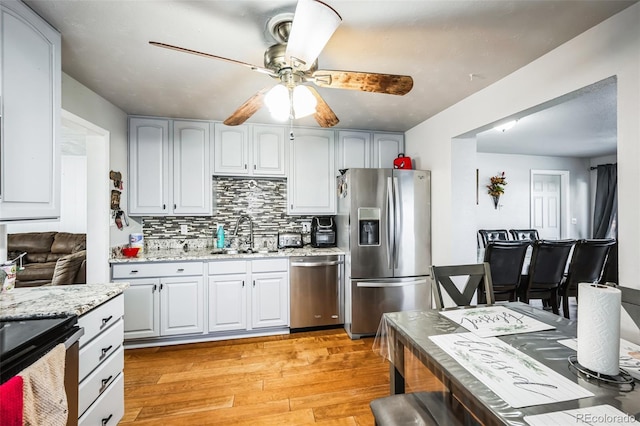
52, 301
210, 254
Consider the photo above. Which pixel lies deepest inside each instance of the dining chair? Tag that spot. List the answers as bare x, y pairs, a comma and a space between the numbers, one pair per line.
505, 259
476, 275
416, 408
487, 235
546, 271
586, 266
524, 234
610, 273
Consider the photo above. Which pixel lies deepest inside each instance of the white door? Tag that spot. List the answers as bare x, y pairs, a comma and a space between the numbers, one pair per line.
228, 302
191, 176
386, 147
141, 309
268, 151
231, 145
269, 300
181, 305
546, 205
354, 150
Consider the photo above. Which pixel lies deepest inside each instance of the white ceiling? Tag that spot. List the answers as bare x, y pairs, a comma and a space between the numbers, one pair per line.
439, 43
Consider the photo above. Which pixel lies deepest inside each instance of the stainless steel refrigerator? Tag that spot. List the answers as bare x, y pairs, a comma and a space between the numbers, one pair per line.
384, 227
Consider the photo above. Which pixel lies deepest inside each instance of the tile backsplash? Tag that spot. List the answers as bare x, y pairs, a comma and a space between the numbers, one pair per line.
263, 200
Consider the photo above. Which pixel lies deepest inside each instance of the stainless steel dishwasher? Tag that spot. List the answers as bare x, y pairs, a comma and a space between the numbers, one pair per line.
316, 291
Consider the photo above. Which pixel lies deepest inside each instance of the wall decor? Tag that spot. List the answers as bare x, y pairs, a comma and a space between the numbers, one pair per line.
496, 187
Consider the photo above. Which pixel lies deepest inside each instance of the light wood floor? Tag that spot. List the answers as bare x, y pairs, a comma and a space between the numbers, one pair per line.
319, 377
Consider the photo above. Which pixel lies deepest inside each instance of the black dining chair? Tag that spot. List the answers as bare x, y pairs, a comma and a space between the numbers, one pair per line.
610, 273
546, 271
524, 234
475, 275
505, 259
586, 266
487, 235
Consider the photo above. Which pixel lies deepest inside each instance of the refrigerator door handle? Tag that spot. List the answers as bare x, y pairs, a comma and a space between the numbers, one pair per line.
391, 225
379, 284
396, 221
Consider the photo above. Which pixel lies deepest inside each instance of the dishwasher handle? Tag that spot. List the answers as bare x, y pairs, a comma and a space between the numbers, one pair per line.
314, 264
382, 284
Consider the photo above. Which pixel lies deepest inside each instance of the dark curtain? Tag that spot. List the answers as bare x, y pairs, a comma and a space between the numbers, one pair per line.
605, 211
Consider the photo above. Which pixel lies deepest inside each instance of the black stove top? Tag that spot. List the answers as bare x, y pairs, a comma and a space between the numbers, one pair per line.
24, 341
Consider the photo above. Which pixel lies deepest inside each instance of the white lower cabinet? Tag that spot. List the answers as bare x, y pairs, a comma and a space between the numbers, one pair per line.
248, 294
167, 300
101, 362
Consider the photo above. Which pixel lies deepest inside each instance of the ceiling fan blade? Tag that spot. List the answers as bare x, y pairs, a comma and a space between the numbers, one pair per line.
364, 81
314, 22
210, 56
247, 109
324, 115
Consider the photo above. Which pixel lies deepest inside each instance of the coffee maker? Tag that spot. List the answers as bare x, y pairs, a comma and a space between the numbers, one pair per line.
323, 231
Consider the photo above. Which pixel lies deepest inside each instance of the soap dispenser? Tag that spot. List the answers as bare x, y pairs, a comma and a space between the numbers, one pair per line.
220, 237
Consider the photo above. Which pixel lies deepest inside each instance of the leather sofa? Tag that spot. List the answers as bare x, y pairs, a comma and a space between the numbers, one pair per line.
53, 258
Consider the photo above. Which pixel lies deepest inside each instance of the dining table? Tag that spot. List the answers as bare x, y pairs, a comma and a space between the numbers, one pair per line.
431, 337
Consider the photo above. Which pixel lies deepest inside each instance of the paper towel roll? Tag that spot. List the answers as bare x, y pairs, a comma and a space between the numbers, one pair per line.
599, 328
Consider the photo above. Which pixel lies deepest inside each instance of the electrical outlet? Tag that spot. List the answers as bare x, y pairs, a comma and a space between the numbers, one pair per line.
183, 229
306, 227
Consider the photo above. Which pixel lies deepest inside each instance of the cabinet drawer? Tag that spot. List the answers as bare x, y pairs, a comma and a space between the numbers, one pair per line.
108, 408
156, 269
100, 380
101, 318
228, 267
98, 350
269, 265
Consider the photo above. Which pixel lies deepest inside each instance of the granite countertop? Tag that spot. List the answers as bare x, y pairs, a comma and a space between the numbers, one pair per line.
211, 254
51, 301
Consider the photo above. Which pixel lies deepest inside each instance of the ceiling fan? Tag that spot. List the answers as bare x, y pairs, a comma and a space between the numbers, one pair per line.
294, 62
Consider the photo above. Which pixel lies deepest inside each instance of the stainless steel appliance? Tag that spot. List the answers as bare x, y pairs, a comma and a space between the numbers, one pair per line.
323, 231
316, 291
289, 240
384, 227
23, 342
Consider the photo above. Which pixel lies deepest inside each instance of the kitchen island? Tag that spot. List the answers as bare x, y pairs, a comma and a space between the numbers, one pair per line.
51, 301
99, 360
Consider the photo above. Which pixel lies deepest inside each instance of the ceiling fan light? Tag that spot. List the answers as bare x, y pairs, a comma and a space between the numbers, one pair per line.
277, 101
304, 103
313, 25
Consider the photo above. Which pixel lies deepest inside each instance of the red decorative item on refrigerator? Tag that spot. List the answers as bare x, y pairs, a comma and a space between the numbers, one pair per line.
402, 162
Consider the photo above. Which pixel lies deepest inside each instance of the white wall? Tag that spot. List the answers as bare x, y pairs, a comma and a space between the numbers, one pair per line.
88, 105
514, 206
609, 49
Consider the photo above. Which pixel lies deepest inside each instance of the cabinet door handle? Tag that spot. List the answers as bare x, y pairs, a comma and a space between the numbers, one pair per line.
245, 167
105, 421
105, 382
242, 283
174, 206
154, 288
254, 167
135, 271
254, 283
164, 206
161, 287
180, 270
105, 350
106, 320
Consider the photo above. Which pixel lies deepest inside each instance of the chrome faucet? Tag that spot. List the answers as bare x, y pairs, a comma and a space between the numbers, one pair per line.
240, 219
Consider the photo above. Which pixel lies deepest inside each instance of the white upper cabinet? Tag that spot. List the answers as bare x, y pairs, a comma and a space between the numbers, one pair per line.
30, 81
361, 149
354, 150
169, 167
311, 188
191, 168
386, 147
269, 151
148, 166
231, 146
249, 150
